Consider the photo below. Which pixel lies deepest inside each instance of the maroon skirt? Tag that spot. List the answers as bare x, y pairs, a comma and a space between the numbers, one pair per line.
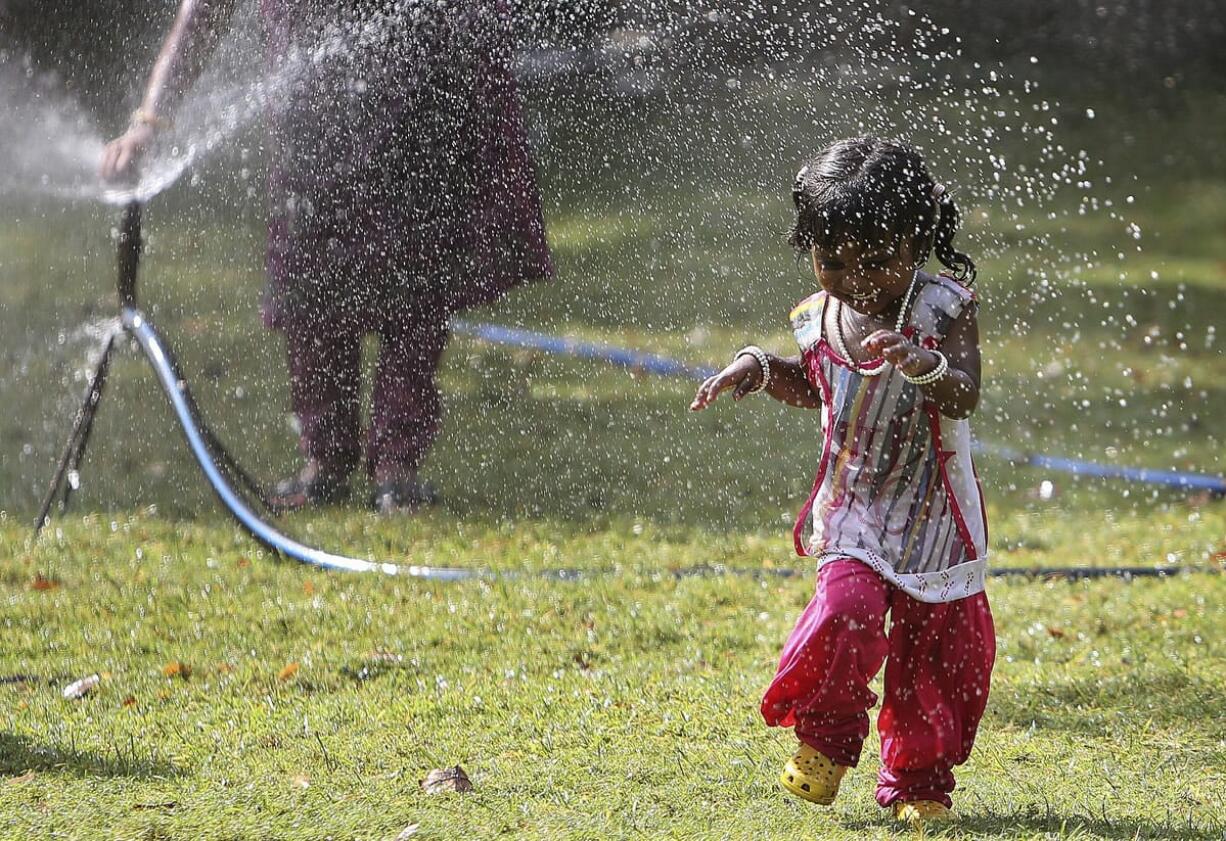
400, 176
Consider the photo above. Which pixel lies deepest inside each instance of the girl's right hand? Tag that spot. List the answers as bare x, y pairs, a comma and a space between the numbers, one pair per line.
122, 152
743, 374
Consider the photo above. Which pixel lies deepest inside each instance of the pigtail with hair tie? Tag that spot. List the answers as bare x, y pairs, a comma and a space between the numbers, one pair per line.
960, 264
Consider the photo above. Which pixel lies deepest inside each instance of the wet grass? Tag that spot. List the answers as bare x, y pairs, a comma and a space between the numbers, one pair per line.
623, 706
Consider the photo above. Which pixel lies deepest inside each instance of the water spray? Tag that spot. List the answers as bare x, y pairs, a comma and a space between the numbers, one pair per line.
220, 469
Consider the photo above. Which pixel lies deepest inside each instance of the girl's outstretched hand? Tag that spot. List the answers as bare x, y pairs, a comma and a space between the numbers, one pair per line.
900, 352
743, 374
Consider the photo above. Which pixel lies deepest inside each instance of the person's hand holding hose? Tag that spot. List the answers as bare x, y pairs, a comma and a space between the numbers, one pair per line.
124, 151
194, 34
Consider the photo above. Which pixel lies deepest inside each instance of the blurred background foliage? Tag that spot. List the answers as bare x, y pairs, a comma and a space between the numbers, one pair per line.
1137, 48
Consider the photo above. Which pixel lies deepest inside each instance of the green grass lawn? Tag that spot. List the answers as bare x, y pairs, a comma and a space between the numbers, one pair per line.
620, 706
623, 704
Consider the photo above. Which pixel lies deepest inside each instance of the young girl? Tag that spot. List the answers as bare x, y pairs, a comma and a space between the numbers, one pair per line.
896, 519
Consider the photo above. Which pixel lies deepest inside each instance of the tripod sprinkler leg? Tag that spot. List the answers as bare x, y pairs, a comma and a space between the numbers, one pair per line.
74, 447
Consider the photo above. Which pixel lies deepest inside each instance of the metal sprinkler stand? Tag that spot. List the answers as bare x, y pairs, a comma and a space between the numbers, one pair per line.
219, 468
64, 482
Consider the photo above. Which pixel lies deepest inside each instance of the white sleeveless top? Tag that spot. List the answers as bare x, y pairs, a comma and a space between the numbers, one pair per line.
896, 487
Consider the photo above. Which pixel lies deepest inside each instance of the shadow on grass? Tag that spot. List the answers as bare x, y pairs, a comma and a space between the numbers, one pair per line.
1052, 824
1044, 821
1087, 705
19, 755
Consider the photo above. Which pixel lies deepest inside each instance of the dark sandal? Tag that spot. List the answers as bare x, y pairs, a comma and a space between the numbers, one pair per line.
403, 496
296, 493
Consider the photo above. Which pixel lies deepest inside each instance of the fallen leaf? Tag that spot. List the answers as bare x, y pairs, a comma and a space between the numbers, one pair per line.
1055, 633
224, 668
28, 776
300, 781
130, 701
1199, 499
176, 669
446, 779
308, 587
407, 833
1179, 613
81, 688
288, 672
243, 563
43, 584
196, 326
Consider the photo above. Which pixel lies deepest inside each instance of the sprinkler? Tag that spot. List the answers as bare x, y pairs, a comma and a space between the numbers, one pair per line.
220, 469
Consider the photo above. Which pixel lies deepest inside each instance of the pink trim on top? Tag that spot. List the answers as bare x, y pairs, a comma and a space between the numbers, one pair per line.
934, 423
827, 440
876, 366
983, 510
840, 361
822, 345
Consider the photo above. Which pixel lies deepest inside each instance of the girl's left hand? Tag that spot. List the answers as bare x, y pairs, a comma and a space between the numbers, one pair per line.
900, 352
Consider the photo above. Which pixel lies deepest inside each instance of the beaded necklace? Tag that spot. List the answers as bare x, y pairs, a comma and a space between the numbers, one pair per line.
842, 342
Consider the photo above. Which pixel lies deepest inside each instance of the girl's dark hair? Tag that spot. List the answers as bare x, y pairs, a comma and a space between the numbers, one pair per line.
873, 190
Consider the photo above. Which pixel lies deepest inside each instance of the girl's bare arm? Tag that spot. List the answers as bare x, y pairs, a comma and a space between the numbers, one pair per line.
788, 383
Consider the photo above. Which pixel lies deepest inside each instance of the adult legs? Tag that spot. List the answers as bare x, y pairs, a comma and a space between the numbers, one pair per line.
406, 406
324, 385
325, 378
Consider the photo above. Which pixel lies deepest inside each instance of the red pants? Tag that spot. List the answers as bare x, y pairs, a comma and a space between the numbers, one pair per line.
936, 680
325, 381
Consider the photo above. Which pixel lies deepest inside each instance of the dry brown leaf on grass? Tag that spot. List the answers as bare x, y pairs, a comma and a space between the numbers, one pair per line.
288, 672
176, 669
43, 584
446, 779
407, 833
28, 776
1199, 499
300, 781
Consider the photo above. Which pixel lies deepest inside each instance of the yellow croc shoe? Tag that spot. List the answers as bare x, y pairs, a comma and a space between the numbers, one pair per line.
812, 776
919, 812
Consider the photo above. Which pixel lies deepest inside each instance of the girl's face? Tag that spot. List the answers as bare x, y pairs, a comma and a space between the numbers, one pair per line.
866, 278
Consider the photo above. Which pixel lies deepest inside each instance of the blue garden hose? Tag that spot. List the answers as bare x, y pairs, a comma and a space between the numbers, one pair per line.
172, 382
666, 367
208, 450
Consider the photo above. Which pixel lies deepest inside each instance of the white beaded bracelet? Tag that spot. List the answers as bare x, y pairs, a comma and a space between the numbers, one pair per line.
763, 363
933, 375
